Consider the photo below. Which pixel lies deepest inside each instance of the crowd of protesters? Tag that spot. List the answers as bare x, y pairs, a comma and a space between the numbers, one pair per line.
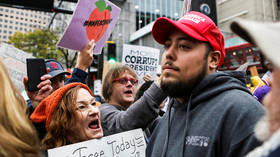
210, 113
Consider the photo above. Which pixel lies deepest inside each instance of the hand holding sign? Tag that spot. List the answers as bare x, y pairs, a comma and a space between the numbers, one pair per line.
85, 57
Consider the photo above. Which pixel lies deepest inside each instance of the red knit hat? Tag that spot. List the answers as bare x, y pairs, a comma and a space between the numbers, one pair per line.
44, 111
195, 25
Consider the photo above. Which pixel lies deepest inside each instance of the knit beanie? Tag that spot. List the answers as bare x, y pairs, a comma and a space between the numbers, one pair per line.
44, 111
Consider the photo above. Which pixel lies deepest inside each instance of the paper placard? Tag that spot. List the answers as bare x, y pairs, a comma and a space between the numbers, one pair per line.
15, 61
144, 60
125, 144
97, 87
92, 19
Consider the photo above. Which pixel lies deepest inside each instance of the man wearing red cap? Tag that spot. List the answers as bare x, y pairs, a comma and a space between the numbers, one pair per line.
211, 113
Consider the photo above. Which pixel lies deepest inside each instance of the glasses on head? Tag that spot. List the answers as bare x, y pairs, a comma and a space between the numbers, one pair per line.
125, 80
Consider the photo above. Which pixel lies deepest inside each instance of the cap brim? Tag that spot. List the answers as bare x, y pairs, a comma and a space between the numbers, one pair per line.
264, 35
163, 27
58, 72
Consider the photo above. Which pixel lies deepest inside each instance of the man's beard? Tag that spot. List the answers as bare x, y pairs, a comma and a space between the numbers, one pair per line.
181, 89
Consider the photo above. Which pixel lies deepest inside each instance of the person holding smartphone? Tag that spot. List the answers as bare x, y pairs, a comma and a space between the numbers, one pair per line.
55, 80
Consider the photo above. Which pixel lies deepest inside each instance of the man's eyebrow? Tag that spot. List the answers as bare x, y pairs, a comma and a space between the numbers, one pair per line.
183, 38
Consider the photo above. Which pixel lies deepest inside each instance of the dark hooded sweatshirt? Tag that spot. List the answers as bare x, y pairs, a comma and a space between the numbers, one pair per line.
217, 120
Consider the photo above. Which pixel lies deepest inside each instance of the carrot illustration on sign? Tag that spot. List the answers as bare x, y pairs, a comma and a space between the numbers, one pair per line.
98, 21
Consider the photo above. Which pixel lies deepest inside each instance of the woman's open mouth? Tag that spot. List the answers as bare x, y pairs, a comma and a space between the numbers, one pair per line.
94, 124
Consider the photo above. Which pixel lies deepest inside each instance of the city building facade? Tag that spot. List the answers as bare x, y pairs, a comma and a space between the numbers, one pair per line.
13, 20
137, 17
136, 20
238, 51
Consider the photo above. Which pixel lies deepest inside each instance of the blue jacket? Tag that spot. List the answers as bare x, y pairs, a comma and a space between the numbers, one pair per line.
275, 153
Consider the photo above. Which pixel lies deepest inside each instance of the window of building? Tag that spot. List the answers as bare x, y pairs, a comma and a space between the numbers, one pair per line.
148, 11
16, 17
17, 12
16, 22
0, 25
11, 16
6, 15
25, 29
10, 32
12, 11
20, 28
6, 10
11, 22
4, 37
21, 13
16, 28
11, 27
6, 21
5, 26
4, 31
1, 9
1, 20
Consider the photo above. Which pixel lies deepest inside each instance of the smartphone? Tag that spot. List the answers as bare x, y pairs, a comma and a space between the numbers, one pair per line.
36, 68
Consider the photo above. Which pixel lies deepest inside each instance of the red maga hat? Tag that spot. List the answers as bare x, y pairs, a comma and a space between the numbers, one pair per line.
195, 25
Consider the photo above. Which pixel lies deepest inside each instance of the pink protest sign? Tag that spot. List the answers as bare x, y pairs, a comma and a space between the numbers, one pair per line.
92, 20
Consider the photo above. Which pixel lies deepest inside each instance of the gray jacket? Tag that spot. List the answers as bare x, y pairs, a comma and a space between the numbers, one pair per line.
139, 115
216, 121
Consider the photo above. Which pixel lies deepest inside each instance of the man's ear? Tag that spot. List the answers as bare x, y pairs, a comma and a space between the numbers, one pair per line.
214, 59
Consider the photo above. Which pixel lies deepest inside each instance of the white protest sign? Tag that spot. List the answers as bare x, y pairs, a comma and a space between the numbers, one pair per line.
144, 60
15, 61
97, 87
125, 144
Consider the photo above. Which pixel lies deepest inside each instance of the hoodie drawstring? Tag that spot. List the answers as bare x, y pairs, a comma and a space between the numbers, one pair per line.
165, 147
187, 123
168, 130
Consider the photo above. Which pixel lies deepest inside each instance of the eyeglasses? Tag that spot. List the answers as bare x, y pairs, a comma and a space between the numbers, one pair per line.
125, 80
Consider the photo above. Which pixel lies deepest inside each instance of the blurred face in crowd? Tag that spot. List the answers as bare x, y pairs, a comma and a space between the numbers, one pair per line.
271, 122
124, 89
183, 64
57, 82
88, 124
